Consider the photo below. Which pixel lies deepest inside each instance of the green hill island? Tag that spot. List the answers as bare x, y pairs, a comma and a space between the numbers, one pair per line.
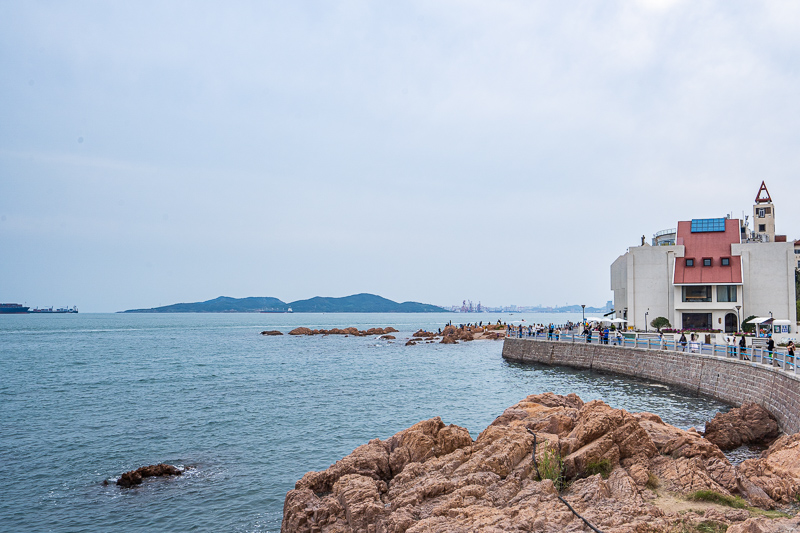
357, 303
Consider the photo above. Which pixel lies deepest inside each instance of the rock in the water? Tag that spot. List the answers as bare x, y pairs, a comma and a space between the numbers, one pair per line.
135, 477
388, 337
272, 332
748, 424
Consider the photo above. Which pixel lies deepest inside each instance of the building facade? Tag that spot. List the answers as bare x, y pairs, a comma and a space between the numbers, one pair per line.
716, 274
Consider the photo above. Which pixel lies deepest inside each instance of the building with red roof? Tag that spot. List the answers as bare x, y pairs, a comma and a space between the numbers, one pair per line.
710, 274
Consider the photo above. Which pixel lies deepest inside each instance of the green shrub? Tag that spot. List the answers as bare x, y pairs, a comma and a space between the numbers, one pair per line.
716, 497
602, 467
748, 327
551, 466
710, 526
660, 322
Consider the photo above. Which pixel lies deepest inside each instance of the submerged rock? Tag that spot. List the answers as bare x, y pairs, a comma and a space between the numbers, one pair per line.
433, 477
135, 477
272, 332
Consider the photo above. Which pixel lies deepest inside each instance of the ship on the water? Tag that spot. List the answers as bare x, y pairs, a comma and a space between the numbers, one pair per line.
13, 309
73, 309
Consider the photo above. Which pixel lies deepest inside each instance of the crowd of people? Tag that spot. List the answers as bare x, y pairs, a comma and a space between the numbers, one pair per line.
605, 335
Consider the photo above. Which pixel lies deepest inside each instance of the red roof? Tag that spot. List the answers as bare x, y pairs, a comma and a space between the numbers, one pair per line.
713, 245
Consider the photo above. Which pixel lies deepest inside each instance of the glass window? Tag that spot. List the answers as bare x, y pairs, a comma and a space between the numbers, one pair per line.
703, 225
726, 293
696, 321
762, 228
761, 212
690, 262
706, 262
696, 293
725, 261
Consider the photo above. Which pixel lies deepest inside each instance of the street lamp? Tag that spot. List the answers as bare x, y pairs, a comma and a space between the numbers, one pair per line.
738, 320
583, 314
645, 319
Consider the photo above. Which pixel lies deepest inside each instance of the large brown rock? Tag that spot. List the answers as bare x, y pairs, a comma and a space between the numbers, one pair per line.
435, 478
271, 332
135, 477
748, 424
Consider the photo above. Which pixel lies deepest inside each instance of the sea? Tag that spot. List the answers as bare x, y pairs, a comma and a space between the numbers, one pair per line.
86, 397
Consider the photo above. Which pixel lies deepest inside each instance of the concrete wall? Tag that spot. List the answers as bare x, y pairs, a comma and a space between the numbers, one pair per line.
642, 283
729, 380
768, 272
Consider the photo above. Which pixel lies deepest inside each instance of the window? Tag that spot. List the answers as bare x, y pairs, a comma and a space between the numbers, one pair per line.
726, 293
696, 293
706, 262
725, 261
797, 250
690, 262
762, 228
760, 212
696, 320
704, 225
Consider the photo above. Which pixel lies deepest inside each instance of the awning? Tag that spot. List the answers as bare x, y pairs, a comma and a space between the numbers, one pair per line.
617, 320
782, 322
595, 319
761, 320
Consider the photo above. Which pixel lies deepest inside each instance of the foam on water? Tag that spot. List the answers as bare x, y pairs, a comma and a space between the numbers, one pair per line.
88, 397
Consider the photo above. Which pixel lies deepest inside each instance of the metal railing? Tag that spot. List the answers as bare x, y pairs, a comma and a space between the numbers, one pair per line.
756, 355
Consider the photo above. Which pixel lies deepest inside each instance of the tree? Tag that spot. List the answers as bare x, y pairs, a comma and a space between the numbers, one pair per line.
748, 327
660, 322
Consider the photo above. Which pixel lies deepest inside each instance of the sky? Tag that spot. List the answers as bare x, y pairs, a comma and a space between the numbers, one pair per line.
505, 152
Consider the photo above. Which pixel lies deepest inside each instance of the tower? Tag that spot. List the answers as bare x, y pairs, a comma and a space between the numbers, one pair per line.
764, 216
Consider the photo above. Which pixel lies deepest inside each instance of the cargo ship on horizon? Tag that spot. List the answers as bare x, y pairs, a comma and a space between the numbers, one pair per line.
13, 309
73, 309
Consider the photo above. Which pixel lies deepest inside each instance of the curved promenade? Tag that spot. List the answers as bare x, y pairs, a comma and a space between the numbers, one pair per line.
727, 379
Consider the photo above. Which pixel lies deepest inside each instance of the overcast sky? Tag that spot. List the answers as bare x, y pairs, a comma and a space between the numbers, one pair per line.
507, 152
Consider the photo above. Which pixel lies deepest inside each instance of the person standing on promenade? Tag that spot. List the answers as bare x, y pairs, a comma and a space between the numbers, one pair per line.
662, 344
683, 341
790, 352
770, 348
743, 349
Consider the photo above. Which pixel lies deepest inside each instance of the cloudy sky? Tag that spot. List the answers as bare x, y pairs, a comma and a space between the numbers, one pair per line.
507, 152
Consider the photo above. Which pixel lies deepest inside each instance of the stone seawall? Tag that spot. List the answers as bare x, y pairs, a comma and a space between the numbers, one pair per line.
729, 380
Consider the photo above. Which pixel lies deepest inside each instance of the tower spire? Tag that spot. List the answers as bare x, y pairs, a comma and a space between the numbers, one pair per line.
759, 198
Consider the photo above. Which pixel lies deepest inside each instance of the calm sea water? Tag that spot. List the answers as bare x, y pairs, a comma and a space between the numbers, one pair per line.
86, 397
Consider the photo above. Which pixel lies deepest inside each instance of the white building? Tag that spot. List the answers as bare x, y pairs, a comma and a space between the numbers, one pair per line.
713, 275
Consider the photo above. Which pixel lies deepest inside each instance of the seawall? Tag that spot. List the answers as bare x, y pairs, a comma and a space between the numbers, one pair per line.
729, 380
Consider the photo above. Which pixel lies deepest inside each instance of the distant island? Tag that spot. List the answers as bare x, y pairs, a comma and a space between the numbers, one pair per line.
357, 303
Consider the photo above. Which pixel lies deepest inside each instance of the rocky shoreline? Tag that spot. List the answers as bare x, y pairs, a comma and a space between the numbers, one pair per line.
622, 472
